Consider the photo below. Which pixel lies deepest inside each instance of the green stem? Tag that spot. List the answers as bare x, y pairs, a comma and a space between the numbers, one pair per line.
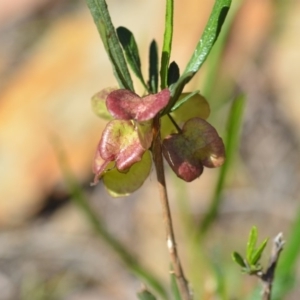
174, 123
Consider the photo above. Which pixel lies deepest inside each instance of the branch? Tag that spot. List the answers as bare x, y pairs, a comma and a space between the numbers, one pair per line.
267, 278
171, 244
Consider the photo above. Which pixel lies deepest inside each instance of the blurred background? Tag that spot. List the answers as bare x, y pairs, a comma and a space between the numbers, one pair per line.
52, 61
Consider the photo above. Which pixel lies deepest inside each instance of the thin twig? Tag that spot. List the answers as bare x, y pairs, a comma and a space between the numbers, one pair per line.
174, 123
171, 244
267, 278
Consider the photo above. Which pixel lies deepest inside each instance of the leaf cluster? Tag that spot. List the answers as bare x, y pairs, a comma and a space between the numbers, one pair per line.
189, 142
251, 263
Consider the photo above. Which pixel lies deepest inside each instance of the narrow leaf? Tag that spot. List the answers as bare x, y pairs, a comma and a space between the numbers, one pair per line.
173, 73
203, 48
258, 252
238, 259
99, 11
176, 90
167, 44
153, 67
184, 99
196, 106
209, 36
130, 47
215, 57
251, 243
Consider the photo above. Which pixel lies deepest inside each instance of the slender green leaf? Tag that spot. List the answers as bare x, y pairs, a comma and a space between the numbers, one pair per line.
145, 295
167, 44
213, 63
209, 36
258, 252
99, 11
130, 47
153, 67
184, 99
231, 141
238, 259
251, 244
173, 73
203, 48
195, 107
176, 90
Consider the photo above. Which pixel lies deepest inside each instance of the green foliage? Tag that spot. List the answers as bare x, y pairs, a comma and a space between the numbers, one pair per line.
251, 244
253, 253
203, 48
238, 259
209, 36
167, 44
250, 264
131, 52
99, 11
184, 98
173, 73
212, 86
194, 145
153, 67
